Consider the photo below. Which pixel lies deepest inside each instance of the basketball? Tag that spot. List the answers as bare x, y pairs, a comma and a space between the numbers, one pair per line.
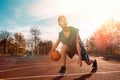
55, 55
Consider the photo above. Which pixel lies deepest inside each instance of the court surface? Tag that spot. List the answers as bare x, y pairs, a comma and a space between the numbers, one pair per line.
42, 68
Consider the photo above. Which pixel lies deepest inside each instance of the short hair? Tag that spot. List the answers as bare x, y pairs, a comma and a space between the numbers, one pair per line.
61, 17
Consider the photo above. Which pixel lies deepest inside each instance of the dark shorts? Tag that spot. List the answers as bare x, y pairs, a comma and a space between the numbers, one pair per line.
73, 50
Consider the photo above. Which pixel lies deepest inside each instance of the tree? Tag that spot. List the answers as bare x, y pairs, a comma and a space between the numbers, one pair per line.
4, 35
20, 43
29, 44
35, 32
44, 46
107, 37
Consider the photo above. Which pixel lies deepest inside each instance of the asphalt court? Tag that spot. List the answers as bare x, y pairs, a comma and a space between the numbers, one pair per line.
45, 69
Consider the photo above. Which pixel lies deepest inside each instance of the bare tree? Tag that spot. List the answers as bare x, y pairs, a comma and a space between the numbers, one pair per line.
4, 35
35, 32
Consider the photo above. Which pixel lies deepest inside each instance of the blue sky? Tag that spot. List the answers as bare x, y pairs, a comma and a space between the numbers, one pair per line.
87, 15
14, 13
15, 17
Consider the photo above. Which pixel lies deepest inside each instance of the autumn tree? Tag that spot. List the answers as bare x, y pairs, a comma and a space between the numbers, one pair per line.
115, 39
107, 36
20, 43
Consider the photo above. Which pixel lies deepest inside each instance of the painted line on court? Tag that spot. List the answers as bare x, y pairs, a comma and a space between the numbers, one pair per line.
23, 64
46, 64
19, 68
38, 65
30, 67
46, 76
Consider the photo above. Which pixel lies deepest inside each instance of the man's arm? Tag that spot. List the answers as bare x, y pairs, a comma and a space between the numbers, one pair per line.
55, 45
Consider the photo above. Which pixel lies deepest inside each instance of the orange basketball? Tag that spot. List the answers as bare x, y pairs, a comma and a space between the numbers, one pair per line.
55, 55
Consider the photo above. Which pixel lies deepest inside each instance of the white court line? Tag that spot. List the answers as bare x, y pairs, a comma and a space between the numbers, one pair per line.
48, 64
46, 76
24, 64
40, 64
30, 67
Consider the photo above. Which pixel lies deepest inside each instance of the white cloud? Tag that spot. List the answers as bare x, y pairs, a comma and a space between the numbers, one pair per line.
47, 33
74, 8
87, 15
50, 33
42, 10
21, 29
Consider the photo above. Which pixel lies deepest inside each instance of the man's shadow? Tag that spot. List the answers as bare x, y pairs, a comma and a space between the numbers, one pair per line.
83, 77
58, 77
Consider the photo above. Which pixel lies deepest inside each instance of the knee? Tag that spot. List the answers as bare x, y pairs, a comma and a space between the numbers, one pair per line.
88, 62
64, 49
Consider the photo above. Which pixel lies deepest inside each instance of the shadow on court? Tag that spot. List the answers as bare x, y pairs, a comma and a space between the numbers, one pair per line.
115, 57
83, 77
108, 57
58, 77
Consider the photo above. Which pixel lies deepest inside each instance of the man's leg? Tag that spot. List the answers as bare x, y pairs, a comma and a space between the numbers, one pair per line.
86, 58
64, 57
89, 62
93, 62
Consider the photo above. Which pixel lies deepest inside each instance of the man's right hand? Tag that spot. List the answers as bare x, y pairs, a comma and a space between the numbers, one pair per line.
79, 62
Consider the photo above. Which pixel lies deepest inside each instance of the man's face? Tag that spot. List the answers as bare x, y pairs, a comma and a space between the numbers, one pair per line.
62, 22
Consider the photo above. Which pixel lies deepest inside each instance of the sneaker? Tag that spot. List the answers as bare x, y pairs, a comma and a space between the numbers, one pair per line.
63, 69
94, 65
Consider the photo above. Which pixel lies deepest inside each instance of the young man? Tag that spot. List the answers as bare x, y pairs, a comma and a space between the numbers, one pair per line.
72, 45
